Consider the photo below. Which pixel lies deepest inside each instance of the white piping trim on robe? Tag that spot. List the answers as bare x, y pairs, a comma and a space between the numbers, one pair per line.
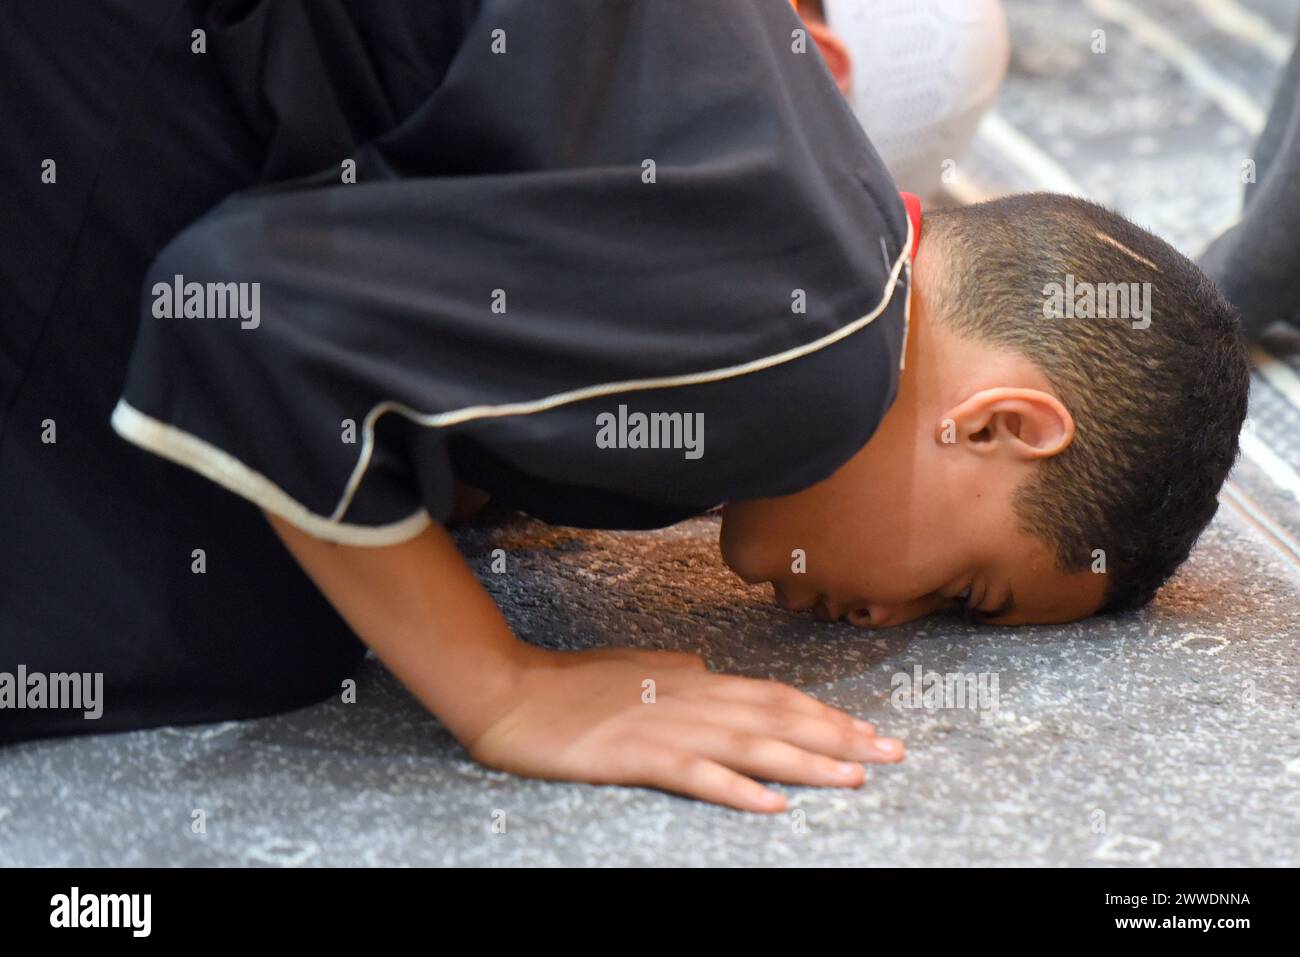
211, 462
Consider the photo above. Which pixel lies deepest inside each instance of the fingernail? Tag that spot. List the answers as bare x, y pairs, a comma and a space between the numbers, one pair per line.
865, 726
888, 745
772, 799
846, 768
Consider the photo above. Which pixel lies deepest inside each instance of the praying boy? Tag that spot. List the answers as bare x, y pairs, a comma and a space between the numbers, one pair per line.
597, 210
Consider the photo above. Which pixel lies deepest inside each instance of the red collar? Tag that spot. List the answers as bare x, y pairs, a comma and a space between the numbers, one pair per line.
913, 204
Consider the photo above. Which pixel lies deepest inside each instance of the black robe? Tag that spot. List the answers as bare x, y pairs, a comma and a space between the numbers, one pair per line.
564, 216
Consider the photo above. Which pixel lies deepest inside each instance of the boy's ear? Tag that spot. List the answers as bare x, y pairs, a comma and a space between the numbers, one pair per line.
1023, 424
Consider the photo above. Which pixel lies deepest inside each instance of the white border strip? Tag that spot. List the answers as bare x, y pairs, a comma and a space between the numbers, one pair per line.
1281, 377
1230, 98
1235, 20
1043, 169
1277, 374
213, 463
963, 188
1272, 464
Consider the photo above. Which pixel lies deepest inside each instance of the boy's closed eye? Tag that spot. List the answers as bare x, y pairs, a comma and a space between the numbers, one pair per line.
975, 615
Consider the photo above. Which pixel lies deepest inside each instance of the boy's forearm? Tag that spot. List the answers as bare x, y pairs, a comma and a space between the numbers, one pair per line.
420, 608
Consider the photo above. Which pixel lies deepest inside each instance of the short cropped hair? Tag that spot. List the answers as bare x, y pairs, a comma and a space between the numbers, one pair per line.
1156, 376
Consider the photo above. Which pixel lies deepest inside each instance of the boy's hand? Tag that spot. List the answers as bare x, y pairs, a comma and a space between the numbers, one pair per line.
578, 715
661, 719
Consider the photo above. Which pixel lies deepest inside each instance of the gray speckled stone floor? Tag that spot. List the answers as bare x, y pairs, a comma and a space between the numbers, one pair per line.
1165, 738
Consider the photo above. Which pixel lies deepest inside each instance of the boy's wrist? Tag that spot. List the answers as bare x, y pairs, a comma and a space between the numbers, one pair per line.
495, 691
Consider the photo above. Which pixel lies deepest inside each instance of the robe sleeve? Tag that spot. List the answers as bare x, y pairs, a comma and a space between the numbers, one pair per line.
598, 200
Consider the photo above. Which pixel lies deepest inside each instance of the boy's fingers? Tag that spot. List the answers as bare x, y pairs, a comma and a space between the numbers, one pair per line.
771, 759
835, 738
775, 695
697, 776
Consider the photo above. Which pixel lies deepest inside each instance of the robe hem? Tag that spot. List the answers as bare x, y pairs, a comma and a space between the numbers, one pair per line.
212, 463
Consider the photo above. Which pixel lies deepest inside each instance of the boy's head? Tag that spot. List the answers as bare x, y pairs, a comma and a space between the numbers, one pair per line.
1070, 406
